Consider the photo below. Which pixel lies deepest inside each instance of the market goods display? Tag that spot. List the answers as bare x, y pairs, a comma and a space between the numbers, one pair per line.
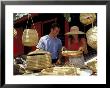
14, 32
72, 53
30, 37
38, 51
38, 61
19, 69
91, 35
87, 18
92, 64
61, 71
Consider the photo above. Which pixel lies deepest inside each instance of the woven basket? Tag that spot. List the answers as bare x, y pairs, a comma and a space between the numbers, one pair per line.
61, 71
37, 62
92, 64
14, 32
87, 18
91, 35
30, 37
71, 53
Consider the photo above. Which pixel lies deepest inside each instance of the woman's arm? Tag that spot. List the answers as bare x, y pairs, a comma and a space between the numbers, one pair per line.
83, 46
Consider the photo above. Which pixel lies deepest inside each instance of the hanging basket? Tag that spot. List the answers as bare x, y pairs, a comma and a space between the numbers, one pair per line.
14, 32
30, 37
91, 35
87, 18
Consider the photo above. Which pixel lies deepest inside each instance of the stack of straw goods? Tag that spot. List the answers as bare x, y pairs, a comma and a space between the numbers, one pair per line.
38, 60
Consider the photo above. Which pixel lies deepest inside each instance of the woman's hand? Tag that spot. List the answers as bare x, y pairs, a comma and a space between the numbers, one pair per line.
63, 48
81, 49
58, 62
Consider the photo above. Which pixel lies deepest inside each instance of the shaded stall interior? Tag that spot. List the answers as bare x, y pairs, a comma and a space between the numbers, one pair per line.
42, 22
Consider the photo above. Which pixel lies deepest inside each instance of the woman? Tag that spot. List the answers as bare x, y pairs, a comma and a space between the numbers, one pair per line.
76, 44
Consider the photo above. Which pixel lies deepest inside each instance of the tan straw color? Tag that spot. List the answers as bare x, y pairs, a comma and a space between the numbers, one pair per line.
74, 30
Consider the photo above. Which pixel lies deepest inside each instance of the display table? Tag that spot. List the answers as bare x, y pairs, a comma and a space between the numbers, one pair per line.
83, 72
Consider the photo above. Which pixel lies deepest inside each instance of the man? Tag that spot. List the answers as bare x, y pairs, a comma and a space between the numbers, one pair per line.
51, 43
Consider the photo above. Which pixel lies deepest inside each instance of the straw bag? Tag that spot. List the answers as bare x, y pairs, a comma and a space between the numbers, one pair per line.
38, 61
91, 35
87, 18
14, 32
30, 37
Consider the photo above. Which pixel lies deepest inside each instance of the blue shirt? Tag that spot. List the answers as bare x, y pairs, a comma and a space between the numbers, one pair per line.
52, 45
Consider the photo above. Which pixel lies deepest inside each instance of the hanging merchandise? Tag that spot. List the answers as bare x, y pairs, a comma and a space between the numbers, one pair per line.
30, 36
17, 16
91, 35
67, 17
14, 32
87, 18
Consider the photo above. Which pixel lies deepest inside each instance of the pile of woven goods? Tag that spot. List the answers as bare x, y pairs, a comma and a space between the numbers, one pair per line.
19, 65
64, 70
38, 60
92, 64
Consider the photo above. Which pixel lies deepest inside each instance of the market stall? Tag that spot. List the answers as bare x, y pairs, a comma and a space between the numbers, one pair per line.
38, 62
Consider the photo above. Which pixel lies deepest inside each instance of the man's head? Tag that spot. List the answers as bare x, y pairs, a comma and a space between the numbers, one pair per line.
55, 28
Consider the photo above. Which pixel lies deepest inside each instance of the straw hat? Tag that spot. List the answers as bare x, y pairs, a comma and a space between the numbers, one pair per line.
74, 30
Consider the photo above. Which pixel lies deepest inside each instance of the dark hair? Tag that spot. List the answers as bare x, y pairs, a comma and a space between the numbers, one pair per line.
55, 25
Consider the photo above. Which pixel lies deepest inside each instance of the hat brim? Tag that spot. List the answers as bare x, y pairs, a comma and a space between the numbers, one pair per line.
72, 33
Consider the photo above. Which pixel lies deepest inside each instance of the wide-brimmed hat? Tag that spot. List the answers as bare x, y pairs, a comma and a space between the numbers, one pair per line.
74, 30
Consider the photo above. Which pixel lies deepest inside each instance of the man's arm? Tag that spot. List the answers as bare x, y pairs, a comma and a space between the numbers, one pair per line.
40, 44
